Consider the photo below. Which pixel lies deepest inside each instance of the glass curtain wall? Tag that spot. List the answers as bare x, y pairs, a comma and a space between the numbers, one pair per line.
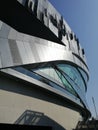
60, 76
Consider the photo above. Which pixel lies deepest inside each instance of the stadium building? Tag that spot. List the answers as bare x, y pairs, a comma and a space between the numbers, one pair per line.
43, 69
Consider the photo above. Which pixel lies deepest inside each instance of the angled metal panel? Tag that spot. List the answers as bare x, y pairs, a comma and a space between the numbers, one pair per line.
14, 52
6, 58
4, 32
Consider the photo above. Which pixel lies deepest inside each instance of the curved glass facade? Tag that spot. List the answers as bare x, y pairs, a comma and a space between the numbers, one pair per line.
63, 73
74, 74
54, 74
64, 77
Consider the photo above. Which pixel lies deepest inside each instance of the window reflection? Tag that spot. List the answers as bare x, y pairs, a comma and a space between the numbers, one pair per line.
83, 74
74, 74
62, 76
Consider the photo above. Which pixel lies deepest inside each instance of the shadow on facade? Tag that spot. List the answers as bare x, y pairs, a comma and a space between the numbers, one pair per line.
24, 88
37, 119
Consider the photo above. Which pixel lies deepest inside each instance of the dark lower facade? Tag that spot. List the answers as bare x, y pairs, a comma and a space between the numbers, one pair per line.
27, 127
92, 124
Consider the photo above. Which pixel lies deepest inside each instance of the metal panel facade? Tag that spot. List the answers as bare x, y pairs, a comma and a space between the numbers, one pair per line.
22, 56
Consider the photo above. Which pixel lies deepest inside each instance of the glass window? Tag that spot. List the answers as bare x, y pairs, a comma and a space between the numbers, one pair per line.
84, 75
64, 76
53, 73
67, 85
74, 74
50, 72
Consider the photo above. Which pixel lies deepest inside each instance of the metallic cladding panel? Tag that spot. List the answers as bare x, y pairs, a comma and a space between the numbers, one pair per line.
31, 49
14, 52
29, 52
53, 20
20, 49
0, 61
6, 57
41, 53
0, 25
47, 14
12, 34
34, 52
4, 32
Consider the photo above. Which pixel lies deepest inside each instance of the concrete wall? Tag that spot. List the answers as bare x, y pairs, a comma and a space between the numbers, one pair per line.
25, 104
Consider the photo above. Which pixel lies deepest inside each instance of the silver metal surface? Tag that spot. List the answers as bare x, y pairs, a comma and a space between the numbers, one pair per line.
0, 25
31, 49
19, 49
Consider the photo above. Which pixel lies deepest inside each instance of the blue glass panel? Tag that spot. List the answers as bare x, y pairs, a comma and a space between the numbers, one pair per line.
84, 75
74, 74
